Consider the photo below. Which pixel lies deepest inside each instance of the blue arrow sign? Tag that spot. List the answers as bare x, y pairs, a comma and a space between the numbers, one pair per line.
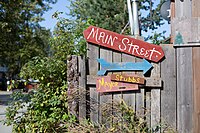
123, 66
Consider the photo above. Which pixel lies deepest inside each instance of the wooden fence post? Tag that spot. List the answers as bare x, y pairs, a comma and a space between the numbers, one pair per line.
72, 78
82, 87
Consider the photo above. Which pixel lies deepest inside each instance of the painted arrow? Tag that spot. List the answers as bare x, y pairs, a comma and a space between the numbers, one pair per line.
122, 43
123, 66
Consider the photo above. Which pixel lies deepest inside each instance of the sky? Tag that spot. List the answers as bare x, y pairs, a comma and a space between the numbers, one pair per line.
61, 6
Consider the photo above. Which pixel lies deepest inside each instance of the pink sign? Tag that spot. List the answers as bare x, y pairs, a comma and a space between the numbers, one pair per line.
104, 84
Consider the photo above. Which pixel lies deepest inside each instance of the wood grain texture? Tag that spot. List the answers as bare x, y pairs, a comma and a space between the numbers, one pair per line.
117, 97
147, 106
184, 90
134, 79
195, 8
172, 8
92, 68
183, 9
122, 43
155, 100
128, 97
184, 27
72, 79
196, 87
150, 81
105, 85
82, 86
117, 57
168, 92
140, 95
105, 98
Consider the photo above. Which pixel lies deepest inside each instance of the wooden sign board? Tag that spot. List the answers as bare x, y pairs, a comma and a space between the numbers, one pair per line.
127, 78
144, 66
104, 84
123, 43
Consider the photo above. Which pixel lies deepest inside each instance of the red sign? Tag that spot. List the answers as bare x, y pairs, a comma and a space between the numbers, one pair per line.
104, 84
127, 78
123, 43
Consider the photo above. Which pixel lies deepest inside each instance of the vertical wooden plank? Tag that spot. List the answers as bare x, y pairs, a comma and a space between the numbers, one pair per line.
128, 97
198, 31
184, 90
155, 100
117, 96
139, 95
72, 79
117, 57
194, 29
147, 106
105, 97
196, 91
93, 54
82, 87
168, 92
172, 8
183, 8
195, 8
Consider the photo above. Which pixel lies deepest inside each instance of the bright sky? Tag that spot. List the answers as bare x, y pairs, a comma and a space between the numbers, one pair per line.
61, 6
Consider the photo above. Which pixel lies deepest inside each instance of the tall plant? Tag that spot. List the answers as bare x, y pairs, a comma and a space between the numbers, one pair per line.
47, 108
21, 35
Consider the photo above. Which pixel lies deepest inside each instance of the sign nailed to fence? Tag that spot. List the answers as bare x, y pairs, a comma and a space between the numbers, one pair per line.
144, 66
123, 43
104, 84
127, 78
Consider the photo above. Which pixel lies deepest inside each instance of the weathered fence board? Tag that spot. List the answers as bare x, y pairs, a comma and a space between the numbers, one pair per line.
82, 86
92, 69
128, 97
105, 97
117, 58
155, 100
195, 8
156, 82
184, 90
183, 9
174, 103
73, 82
140, 95
168, 92
196, 91
147, 106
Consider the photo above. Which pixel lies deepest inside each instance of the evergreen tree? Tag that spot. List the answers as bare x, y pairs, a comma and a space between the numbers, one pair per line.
108, 14
113, 14
20, 33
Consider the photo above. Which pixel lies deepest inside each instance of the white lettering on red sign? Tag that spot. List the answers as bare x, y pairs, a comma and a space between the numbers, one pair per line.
124, 44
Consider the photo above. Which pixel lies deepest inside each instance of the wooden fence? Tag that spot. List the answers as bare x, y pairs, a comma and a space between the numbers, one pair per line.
171, 95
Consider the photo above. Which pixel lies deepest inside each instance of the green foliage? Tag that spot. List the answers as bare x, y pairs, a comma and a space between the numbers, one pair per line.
118, 117
150, 19
113, 14
68, 37
20, 33
47, 108
157, 38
